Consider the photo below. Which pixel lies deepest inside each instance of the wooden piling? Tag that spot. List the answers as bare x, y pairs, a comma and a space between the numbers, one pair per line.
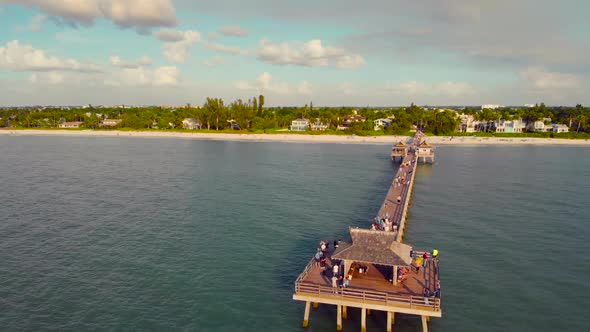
306, 315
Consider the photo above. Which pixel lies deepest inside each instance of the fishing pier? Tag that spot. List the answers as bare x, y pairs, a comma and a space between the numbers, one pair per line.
376, 271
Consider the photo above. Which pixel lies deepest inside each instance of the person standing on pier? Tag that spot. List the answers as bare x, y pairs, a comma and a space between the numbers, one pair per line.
425, 257
435, 254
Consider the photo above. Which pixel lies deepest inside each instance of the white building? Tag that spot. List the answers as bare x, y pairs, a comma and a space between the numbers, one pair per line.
190, 123
300, 124
512, 126
110, 122
73, 124
468, 123
559, 128
491, 106
540, 126
319, 126
383, 122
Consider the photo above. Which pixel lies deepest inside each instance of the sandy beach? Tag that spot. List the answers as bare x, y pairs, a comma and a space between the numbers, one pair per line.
336, 139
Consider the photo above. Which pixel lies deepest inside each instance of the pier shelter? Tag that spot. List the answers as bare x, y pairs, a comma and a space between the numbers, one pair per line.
368, 267
426, 152
399, 150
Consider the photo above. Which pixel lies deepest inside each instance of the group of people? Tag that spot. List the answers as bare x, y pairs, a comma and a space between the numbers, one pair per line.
384, 224
422, 260
321, 255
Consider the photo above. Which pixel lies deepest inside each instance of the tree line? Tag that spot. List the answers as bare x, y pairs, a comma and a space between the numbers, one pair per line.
252, 115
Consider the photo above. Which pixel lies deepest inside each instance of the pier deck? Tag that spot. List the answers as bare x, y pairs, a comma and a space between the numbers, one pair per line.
377, 289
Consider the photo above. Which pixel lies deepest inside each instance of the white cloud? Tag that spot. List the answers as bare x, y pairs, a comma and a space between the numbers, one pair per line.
304, 88
224, 48
310, 54
26, 58
233, 31
541, 78
162, 76
169, 35
265, 84
214, 61
350, 62
141, 62
50, 78
140, 14
177, 44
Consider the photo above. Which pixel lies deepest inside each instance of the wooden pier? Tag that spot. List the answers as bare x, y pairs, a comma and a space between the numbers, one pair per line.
367, 274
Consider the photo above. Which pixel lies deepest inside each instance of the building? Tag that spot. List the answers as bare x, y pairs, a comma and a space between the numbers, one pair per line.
425, 151
110, 122
513, 126
350, 119
191, 123
301, 124
73, 124
540, 126
383, 123
319, 126
468, 123
491, 106
559, 128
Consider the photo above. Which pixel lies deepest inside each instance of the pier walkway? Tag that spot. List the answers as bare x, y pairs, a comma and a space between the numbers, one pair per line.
368, 267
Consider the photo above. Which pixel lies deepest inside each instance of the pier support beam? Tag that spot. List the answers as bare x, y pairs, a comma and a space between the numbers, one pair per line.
306, 314
394, 275
363, 320
344, 312
424, 323
369, 312
389, 319
316, 305
339, 318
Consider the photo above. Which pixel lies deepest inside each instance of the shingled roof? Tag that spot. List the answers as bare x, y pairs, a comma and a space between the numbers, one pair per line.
400, 144
374, 247
425, 145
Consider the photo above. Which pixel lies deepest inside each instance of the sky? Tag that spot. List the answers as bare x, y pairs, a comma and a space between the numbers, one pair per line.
331, 53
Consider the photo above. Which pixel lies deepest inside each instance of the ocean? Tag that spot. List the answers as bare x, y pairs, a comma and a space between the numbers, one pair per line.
106, 233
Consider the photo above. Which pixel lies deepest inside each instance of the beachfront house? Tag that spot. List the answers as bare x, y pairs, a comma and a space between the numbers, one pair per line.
110, 122
512, 126
301, 124
468, 123
559, 128
319, 126
383, 123
71, 124
540, 126
191, 123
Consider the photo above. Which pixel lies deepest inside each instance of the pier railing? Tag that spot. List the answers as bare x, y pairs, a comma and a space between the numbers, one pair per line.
414, 302
305, 272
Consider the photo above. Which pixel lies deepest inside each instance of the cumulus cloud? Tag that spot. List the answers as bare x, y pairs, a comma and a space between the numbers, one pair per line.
540, 78
162, 76
224, 48
140, 14
177, 44
310, 54
141, 62
233, 31
21, 57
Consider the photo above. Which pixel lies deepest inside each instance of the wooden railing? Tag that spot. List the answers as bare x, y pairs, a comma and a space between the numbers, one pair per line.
414, 302
306, 271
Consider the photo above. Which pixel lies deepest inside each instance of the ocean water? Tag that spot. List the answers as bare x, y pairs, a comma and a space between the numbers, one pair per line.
128, 234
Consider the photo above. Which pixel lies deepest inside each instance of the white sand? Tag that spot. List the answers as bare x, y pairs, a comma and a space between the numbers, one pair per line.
435, 140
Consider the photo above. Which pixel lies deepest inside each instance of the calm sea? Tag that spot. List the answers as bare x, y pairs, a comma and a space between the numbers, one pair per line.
175, 234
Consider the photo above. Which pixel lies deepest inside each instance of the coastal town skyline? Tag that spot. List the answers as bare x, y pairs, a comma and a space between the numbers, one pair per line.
378, 53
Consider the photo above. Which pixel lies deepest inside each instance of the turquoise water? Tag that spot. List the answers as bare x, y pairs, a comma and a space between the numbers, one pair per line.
174, 234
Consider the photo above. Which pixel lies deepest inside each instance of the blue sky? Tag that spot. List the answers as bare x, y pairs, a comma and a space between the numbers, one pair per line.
376, 52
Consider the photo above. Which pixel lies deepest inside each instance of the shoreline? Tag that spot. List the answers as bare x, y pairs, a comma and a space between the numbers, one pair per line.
335, 139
